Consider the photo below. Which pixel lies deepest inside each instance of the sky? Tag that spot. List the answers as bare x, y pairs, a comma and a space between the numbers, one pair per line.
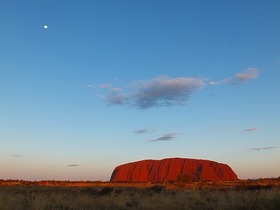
88, 85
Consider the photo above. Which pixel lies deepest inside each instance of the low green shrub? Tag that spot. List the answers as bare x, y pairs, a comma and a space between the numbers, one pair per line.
130, 198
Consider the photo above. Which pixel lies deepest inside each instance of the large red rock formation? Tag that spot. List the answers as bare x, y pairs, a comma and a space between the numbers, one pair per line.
171, 169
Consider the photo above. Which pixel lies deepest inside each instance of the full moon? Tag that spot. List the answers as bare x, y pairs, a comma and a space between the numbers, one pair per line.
45, 26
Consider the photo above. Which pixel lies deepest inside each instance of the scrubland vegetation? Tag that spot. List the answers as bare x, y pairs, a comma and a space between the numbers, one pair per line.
154, 197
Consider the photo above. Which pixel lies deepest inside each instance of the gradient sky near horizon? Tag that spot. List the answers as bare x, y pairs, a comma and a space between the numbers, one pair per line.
89, 85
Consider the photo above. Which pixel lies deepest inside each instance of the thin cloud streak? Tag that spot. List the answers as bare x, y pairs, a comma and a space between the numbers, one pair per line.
248, 74
165, 137
17, 155
102, 86
109, 87
251, 129
160, 91
241, 77
88, 86
145, 130
262, 148
72, 165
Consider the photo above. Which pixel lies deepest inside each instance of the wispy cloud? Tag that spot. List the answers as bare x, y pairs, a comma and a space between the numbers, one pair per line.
17, 155
248, 74
145, 130
103, 86
251, 129
214, 83
160, 91
109, 87
262, 148
72, 165
165, 91
165, 137
116, 98
241, 77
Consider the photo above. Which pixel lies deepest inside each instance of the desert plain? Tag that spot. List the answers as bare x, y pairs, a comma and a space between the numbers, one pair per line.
49, 194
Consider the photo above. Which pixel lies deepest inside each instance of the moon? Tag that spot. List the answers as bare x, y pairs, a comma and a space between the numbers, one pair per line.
45, 26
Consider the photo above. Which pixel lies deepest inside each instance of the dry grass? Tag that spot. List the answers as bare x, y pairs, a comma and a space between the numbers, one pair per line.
134, 198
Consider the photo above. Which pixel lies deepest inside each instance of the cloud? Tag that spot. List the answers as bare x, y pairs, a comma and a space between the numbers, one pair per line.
116, 98
262, 148
248, 74
110, 87
214, 83
17, 155
89, 86
160, 91
251, 129
102, 86
145, 130
105, 85
165, 91
72, 165
165, 137
243, 76
227, 80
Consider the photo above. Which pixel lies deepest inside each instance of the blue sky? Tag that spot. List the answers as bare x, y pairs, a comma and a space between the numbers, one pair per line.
110, 82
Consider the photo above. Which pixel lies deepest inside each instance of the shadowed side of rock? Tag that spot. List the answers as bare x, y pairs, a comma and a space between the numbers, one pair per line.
170, 169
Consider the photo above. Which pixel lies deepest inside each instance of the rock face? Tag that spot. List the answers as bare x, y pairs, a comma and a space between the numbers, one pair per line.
171, 169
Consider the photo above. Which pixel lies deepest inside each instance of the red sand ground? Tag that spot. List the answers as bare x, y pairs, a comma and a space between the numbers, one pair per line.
238, 184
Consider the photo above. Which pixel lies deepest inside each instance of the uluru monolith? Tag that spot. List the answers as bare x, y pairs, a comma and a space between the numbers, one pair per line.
171, 169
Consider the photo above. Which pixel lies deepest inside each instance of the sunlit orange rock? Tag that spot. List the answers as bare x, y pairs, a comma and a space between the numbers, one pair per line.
170, 169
